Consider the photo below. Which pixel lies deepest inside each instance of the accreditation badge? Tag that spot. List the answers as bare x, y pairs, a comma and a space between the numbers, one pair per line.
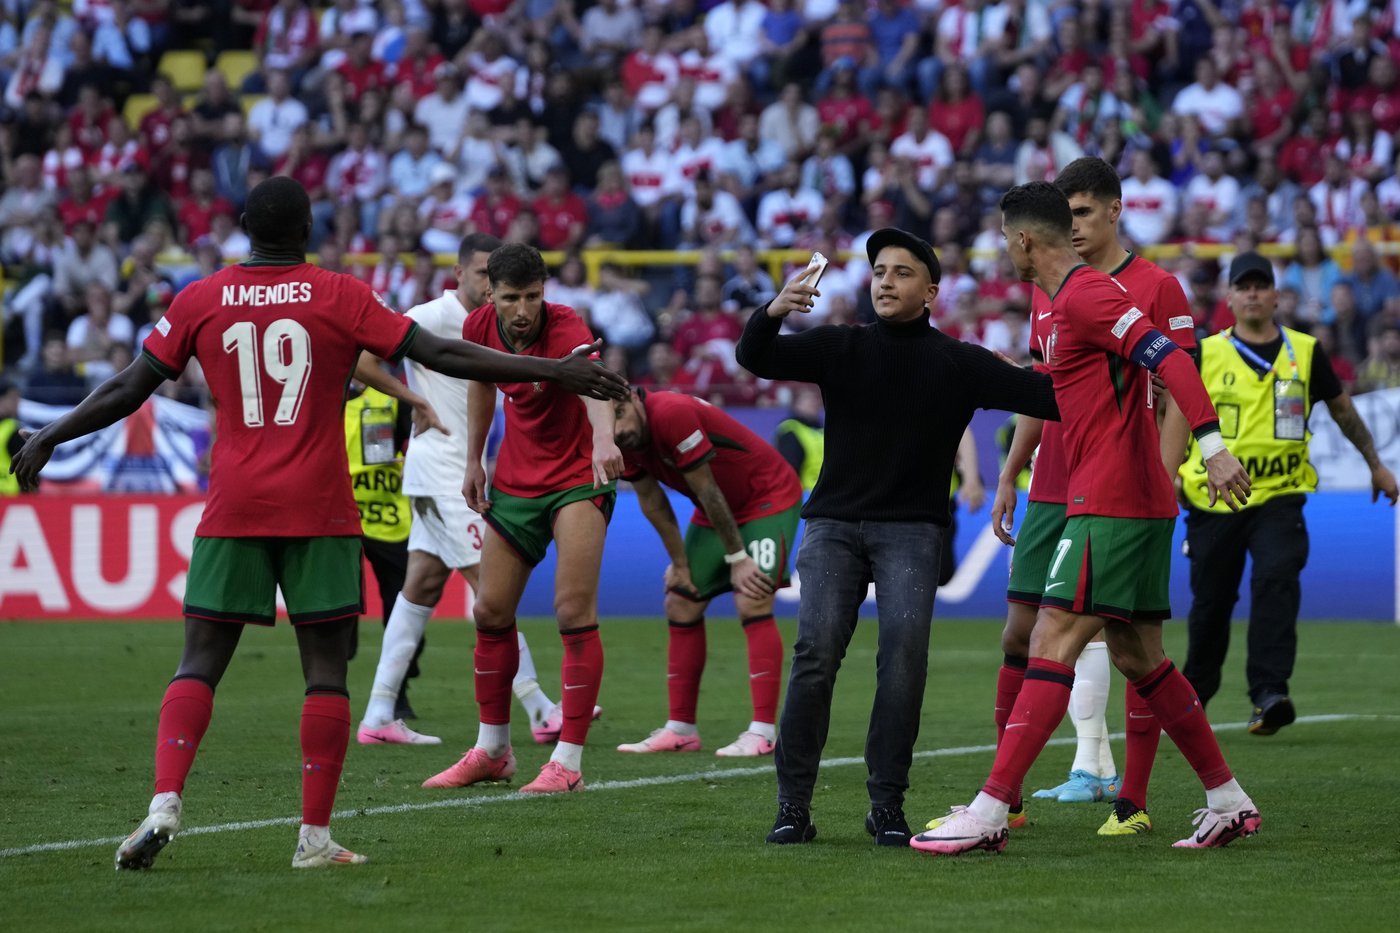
377, 436
1290, 407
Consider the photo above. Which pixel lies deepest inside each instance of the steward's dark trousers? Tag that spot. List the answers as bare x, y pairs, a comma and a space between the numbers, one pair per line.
1276, 540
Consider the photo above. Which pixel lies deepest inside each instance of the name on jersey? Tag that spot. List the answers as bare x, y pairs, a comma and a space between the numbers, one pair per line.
259, 296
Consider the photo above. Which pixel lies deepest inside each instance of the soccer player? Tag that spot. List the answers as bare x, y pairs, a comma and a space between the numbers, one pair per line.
1095, 197
446, 534
554, 479
277, 340
747, 499
1110, 568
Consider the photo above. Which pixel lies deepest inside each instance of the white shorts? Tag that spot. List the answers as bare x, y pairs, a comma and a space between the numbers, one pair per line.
447, 528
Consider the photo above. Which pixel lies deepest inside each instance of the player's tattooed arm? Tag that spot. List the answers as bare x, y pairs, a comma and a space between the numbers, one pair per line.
745, 576
1354, 429
110, 402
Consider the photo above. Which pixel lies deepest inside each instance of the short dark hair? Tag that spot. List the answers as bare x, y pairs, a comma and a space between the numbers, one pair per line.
516, 264
1041, 204
474, 243
1092, 176
278, 212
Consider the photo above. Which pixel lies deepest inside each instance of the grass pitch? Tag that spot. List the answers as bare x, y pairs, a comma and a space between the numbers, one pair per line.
665, 842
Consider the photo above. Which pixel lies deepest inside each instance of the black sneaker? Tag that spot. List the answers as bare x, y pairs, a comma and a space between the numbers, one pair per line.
793, 825
888, 826
1272, 714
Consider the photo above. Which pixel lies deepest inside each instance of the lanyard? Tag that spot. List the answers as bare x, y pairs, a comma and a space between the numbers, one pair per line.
1259, 361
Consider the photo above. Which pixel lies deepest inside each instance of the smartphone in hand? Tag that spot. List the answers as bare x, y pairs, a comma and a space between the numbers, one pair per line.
815, 268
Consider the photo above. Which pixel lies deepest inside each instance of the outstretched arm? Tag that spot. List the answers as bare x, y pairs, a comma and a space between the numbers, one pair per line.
1354, 429
464, 360
109, 403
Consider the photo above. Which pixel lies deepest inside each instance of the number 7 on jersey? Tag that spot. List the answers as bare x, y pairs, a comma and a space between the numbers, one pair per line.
286, 354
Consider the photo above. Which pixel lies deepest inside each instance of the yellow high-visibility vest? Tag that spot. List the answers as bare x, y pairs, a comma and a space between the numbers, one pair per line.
1263, 420
376, 470
812, 450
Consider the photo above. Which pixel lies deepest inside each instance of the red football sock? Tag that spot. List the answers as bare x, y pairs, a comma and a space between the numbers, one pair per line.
1009, 679
1042, 703
325, 732
583, 675
685, 662
1144, 732
1177, 708
184, 717
765, 666
495, 663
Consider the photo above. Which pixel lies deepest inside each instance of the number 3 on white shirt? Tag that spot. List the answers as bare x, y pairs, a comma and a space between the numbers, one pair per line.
286, 354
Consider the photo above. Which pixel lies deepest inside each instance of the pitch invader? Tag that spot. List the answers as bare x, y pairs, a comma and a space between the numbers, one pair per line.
747, 499
554, 480
1095, 197
1109, 570
446, 534
280, 510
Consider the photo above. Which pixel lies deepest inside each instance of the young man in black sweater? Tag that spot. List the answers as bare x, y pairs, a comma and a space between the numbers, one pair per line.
898, 396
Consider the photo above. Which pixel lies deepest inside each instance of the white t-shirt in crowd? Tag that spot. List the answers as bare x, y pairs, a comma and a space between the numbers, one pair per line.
1213, 108
932, 155
1149, 209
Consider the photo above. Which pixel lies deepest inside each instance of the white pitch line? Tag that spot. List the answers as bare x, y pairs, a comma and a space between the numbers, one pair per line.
658, 781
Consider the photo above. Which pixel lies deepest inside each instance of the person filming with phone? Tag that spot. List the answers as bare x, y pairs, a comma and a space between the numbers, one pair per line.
898, 396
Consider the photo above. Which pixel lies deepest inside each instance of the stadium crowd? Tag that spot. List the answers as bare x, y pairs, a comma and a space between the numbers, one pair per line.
728, 128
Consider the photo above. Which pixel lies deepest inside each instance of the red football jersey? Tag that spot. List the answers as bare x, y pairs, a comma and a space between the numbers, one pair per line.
1111, 444
548, 445
686, 432
277, 344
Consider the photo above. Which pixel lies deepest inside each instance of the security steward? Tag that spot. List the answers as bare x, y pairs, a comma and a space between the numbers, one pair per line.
1264, 380
377, 429
10, 439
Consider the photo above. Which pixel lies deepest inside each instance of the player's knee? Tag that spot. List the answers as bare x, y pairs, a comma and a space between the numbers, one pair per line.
1015, 643
490, 616
575, 611
680, 609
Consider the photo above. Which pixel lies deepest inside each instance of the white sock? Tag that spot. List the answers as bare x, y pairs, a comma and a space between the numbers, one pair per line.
569, 755
167, 800
766, 729
1088, 705
315, 837
527, 687
682, 728
1227, 797
494, 739
526, 670
401, 636
987, 808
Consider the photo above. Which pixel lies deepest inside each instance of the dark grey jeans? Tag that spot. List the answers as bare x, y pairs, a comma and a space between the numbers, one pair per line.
837, 563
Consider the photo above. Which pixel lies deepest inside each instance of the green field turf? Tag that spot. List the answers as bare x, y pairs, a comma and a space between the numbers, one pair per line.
684, 852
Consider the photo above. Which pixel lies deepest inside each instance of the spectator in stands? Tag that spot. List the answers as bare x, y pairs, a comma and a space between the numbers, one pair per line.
751, 160
650, 71
137, 205
586, 151
790, 122
734, 29
969, 34
1337, 197
957, 113
84, 260
783, 37
197, 209
443, 213
1149, 202
1216, 105
1044, 152
613, 217
56, 382
827, 171
928, 149
789, 209
712, 217
618, 119
444, 111
359, 173
286, 41
122, 42
233, 243
563, 215
570, 287
664, 370
1311, 274
38, 69
496, 207
750, 285
1278, 193
1215, 193
618, 313
272, 119
94, 332
207, 261
411, 168
1372, 283
1382, 368
25, 200
607, 32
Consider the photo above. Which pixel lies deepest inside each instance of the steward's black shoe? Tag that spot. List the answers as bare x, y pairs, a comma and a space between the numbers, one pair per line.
888, 826
793, 825
1272, 714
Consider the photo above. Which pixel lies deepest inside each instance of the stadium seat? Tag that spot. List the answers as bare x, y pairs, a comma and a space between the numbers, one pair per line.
137, 106
185, 68
236, 65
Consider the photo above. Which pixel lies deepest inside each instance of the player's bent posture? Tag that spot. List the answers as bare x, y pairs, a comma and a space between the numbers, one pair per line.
747, 500
446, 534
277, 340
554, 480
1095, 198
1109, 571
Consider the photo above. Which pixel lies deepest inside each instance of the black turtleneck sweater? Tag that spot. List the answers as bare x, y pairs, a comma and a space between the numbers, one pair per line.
898, 398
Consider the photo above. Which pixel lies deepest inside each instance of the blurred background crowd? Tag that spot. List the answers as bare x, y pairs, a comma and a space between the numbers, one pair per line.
131, 131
